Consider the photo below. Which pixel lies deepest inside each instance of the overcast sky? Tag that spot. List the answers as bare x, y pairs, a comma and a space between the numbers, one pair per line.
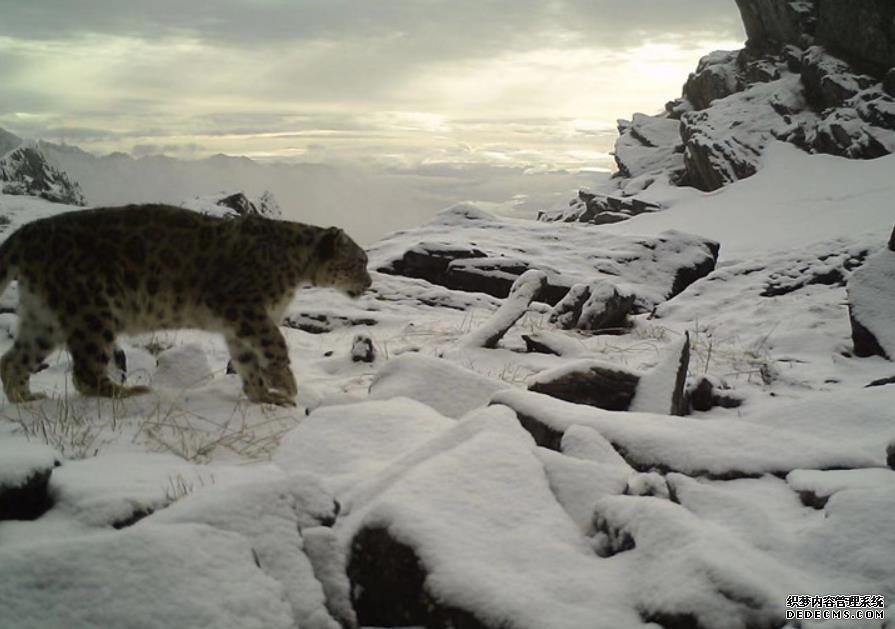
533, 83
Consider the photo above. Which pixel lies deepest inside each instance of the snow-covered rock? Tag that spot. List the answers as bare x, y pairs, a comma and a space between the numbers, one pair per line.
604, 385
527, 288
515, 558
465, 248
692, 570
728, 449
601, 305
362, 349
235, 203
649, 144
25, 469
871, 295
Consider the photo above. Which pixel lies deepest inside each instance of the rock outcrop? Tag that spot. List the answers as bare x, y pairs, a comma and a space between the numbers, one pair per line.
25, 170
815, 73
466, 249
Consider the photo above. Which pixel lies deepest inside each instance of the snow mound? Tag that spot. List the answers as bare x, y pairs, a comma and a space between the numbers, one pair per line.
271, 516
21, 459
118, 489
162, 576
183, 367
435, 382
356, 440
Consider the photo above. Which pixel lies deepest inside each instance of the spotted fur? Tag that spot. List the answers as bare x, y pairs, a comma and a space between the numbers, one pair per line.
87, 276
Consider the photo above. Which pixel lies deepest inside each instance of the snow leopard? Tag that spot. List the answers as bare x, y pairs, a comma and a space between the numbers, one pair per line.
86, 276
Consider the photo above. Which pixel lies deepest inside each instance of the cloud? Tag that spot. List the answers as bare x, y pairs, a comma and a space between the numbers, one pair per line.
436, 27
403, 81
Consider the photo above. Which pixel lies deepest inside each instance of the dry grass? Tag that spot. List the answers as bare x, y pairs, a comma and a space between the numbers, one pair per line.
197, 438
74, 429
80, 428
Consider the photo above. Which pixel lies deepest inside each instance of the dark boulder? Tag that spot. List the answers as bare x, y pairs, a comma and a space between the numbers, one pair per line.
388, 586
863, 31
715, 77
771, 23
707, 393
614, 388
601, 385
27, 500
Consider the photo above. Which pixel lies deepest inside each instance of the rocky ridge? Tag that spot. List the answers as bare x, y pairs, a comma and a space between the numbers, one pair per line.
25, 170
818, 74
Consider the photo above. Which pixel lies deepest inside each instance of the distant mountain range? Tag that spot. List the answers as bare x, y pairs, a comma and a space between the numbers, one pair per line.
368, 200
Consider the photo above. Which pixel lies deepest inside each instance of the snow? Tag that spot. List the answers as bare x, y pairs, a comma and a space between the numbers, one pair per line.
182, 367
434, 382
794, 200
21, 459
826, 483
690, 568
579, 484
102, 491
184, 575
692, 446
270, 515
360, 439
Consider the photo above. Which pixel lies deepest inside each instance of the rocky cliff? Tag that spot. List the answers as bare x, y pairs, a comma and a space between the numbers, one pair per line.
819, 74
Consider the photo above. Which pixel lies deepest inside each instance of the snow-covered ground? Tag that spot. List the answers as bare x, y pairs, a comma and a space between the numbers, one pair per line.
412, 490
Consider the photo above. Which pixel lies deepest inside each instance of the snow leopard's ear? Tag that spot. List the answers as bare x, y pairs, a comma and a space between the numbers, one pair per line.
326, 246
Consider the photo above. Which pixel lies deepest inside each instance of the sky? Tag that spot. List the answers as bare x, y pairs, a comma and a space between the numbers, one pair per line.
407, 84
